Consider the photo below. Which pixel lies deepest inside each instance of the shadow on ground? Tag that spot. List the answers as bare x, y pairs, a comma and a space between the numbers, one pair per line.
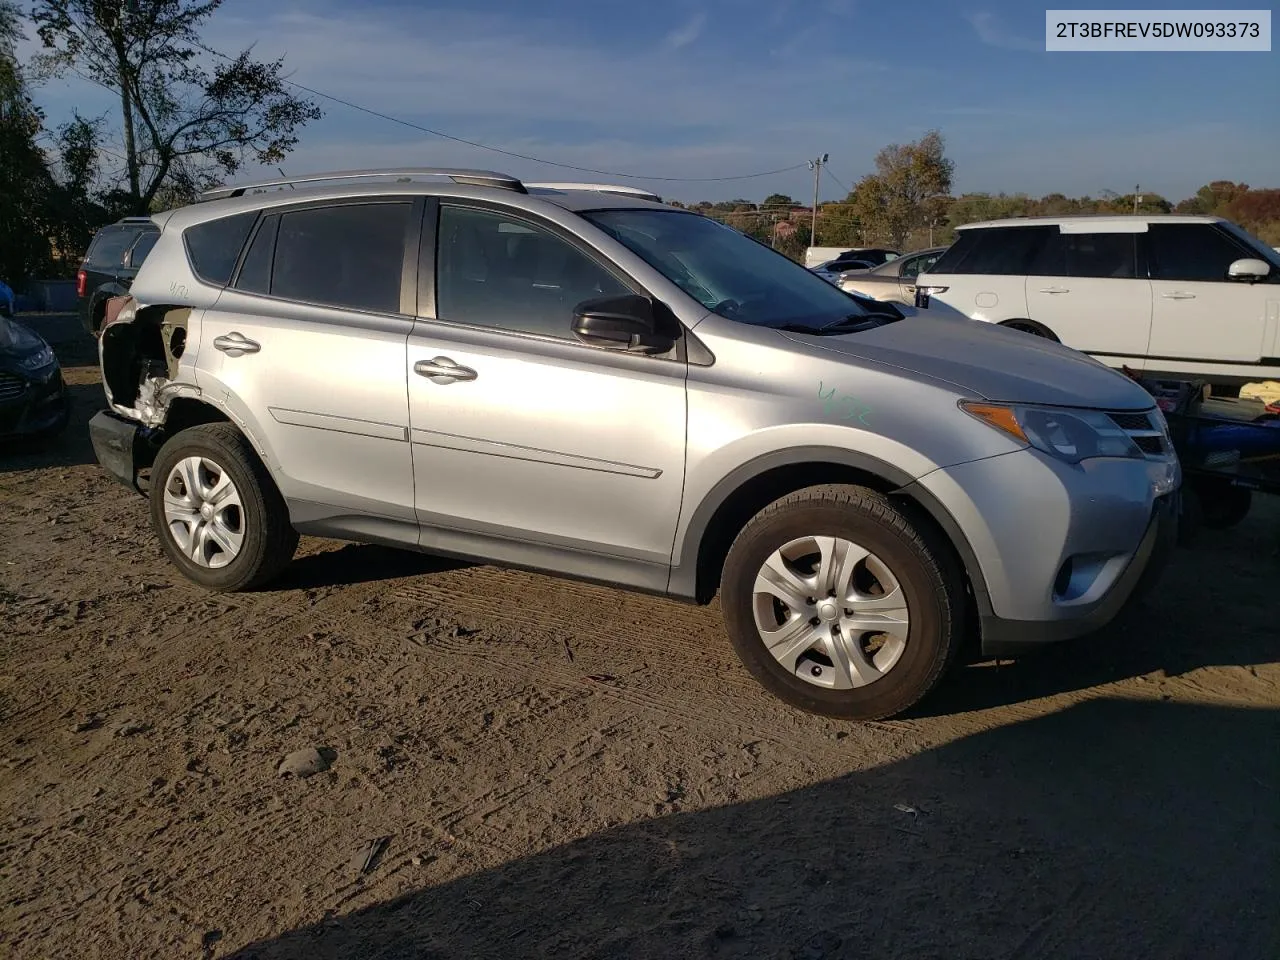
359, 563
1114, 828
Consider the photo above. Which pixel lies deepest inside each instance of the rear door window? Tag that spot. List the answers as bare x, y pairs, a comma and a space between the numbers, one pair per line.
214, 246
349, 255
994, 251
255, 272
1191, 252
1098, 255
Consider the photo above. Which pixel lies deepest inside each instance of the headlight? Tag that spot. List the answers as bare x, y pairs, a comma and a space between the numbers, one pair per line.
1068, 434
37, 361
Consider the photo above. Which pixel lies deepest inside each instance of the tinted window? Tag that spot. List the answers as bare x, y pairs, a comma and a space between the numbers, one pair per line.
214, 246
1191, 251
343, 256
999, 251
1109, 255
109, 248
142, 248
498, 271
255, 272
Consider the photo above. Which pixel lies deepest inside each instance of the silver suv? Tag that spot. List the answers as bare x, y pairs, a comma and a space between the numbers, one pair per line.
586, 382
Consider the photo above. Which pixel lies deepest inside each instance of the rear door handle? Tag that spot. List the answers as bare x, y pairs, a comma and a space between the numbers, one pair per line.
1055, 290
1179, 295
235, 344
442, 370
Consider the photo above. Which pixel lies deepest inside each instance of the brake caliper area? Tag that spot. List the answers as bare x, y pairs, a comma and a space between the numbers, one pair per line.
138, 351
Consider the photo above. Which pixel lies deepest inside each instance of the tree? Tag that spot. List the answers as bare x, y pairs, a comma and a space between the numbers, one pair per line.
1212, 197
25, 181
901, 194
184, 124
778, 201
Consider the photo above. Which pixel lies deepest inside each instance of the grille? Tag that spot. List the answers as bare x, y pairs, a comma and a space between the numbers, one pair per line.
1148, 436
1131, 421
11, 386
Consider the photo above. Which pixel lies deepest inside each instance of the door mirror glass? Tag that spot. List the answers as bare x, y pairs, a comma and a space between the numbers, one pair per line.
622, 323
1248, 269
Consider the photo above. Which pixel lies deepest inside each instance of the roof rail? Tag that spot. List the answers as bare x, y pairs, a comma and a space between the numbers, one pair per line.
600, 188
479, 178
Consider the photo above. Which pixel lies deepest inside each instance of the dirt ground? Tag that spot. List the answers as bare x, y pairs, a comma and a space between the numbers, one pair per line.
564, 770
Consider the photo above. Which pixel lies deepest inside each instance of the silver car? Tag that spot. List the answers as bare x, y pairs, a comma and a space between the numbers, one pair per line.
599, 386
895, 280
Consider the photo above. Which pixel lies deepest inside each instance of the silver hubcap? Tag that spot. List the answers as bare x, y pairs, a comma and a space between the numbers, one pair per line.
831, 612
203, 512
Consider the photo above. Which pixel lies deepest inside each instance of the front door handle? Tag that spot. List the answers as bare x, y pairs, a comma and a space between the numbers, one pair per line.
1179, 295
235, 344
442, 370
1055, 290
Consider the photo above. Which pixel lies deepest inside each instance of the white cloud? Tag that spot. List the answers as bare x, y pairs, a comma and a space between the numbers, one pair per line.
684, 35
992, 31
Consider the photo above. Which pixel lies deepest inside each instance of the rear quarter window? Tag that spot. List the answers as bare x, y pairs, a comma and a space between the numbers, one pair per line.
214, 246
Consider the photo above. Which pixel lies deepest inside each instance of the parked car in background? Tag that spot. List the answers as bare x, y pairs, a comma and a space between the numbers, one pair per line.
833, 270
894, 280
109, 266
815, 256
1168, 296
599, 386
871, 255
33, 400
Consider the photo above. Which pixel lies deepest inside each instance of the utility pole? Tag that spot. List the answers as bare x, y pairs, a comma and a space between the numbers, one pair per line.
1137, 197
816, 167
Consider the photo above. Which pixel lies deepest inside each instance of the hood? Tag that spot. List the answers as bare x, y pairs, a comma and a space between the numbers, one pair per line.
990, 362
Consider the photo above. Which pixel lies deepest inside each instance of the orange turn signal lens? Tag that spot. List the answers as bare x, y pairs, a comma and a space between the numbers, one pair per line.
998, 416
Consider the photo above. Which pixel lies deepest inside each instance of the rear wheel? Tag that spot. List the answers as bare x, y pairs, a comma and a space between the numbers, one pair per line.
1031, 327
839, 605
217, 511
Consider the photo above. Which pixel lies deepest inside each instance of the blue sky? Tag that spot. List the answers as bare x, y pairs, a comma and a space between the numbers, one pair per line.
707, 88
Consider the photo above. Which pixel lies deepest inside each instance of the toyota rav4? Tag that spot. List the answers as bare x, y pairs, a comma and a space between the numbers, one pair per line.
583, 381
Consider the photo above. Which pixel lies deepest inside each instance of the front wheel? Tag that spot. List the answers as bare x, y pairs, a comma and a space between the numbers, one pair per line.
217, 511
840, 605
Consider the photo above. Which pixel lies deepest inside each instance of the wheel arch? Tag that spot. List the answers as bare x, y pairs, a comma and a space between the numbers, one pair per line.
1031, 326
732, 502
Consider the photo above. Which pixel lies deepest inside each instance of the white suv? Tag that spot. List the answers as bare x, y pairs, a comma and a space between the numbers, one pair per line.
1167, 295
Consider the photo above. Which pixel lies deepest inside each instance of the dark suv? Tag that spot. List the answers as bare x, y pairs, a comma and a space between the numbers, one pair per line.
111, 264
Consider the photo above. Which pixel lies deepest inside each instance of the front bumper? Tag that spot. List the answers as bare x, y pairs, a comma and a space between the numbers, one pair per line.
40, 406
1001, 637
1056, 550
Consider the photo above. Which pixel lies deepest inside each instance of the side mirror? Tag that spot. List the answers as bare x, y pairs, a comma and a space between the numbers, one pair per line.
1249, 269
621, 323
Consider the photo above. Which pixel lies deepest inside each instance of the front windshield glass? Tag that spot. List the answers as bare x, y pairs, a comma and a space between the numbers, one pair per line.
728, 272
1269, 254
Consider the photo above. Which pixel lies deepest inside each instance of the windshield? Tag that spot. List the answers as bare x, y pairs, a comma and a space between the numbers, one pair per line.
728, 272
1269, 254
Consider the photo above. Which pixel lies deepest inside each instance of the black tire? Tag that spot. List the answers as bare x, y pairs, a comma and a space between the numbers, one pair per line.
269, 541
1222, 505
1033, 328
929, 576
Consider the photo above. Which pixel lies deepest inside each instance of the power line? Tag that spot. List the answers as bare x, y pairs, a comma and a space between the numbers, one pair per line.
511, 153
